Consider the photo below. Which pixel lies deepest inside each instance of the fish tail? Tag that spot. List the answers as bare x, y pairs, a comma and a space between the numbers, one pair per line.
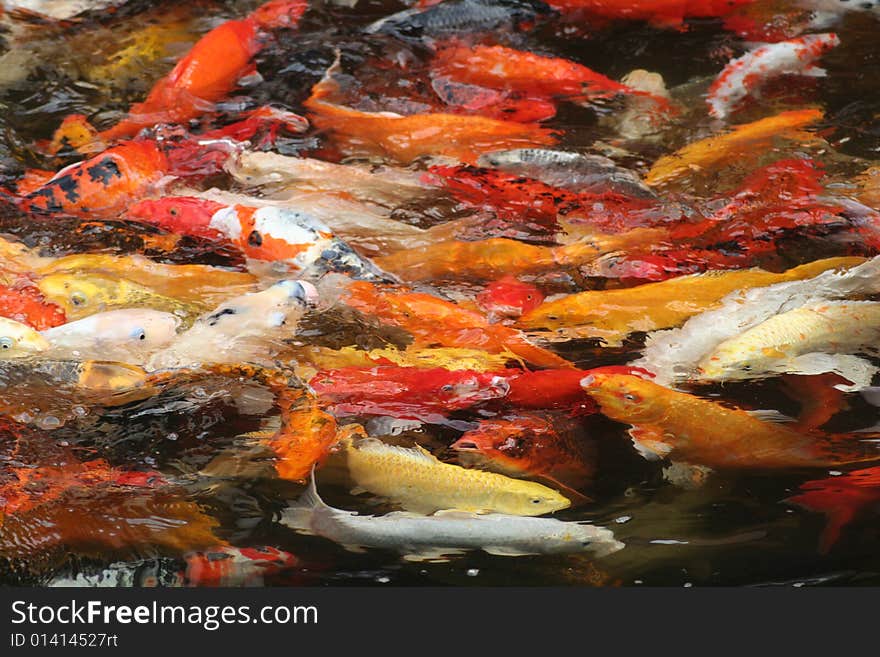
299, 514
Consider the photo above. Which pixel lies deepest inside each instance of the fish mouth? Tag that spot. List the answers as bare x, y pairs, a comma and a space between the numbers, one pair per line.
305, 292
465, 446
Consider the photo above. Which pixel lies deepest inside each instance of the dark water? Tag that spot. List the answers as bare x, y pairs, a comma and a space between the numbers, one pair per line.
736, 529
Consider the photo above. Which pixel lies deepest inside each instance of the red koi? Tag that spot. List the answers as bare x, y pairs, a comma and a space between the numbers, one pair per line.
406, 392
508, 297
515, 198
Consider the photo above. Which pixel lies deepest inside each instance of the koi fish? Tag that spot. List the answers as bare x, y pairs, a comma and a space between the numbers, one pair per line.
745, 75
576, 172
304, 437
417, 481
840, 498
405, 138
427, 394
516, 199
613, 314
240, 329
497, 67
186, 282
271, 233
81, 295
104, 184
677, 352
28, 305
209, 71
458, 17
773, 345
446, 533
493, 257
744, 140
236, 566
434, 321
508, 298
702, 432
382, 185
121, 335
531, 445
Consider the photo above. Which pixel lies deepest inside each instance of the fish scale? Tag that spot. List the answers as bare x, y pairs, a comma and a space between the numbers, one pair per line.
419, 482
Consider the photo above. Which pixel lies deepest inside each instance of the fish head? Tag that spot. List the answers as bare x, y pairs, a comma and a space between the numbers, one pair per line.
18, 340
178, 214
519, 445
509, 297
736, 361
138, 327
532, 499
80, 295
597, 540
625, 397
279, 13
276, 306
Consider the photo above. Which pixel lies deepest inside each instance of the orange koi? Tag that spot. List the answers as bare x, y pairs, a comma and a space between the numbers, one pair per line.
497, 67
747, 140
494, 257
433, 321
701, 432
305, 437
405, 138
613, 314
209, 71
840, 498
105, 184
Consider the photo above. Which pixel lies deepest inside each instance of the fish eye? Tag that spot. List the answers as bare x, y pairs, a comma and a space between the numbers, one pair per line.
255, 239
6, 343
631, 397
536, 501
139, 334
78, 298
172, 211
446, 388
